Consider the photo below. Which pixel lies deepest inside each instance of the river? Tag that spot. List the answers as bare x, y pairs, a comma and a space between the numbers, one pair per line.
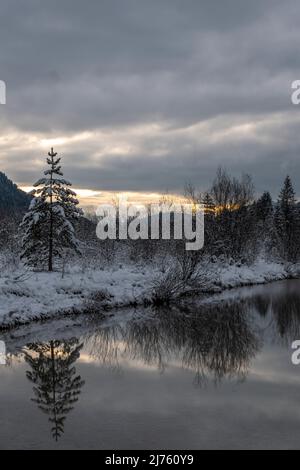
211, 375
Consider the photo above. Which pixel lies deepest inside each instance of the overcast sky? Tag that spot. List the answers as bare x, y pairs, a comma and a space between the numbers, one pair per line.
144, 95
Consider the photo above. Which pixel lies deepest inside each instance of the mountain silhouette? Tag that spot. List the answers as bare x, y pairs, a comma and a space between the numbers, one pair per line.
13, 201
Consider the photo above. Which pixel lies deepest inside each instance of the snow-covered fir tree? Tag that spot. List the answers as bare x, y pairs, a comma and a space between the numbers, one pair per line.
208, 203
287, 221
264, 207
48, 225
265, 228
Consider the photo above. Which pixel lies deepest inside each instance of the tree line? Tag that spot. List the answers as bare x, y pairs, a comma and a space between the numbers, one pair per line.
239, 227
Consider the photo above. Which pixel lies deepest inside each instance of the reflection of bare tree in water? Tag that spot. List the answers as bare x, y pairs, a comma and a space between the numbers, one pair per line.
286, 312
56, 385
262, 303
105, 345
222, 343
216, 341
151, 342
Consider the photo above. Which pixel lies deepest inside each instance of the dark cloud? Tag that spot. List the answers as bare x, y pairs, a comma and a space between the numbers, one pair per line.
189, 73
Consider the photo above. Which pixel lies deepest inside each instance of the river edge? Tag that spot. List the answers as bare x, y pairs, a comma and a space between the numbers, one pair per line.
48, 296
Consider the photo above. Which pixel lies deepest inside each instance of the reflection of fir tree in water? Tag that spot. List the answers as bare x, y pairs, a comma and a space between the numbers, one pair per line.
56, 385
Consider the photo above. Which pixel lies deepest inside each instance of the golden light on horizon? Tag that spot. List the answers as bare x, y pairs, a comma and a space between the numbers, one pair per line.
89, 198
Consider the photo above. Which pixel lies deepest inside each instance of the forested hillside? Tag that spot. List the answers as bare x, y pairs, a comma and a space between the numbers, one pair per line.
13, 201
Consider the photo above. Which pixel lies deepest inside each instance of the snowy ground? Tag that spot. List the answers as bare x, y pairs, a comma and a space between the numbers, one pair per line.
259, 273
27, 296
43, 295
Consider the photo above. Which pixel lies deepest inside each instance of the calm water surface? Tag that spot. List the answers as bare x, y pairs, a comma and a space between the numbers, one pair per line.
217, 375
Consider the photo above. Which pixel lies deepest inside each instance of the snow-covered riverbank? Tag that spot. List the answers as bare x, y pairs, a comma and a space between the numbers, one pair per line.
30, 296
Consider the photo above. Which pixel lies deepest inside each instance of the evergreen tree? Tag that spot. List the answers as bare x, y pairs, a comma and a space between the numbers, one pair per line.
287, 221
265, 230
56, 385
35, 238
48, 225
208, 203
264, 207
209, 225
